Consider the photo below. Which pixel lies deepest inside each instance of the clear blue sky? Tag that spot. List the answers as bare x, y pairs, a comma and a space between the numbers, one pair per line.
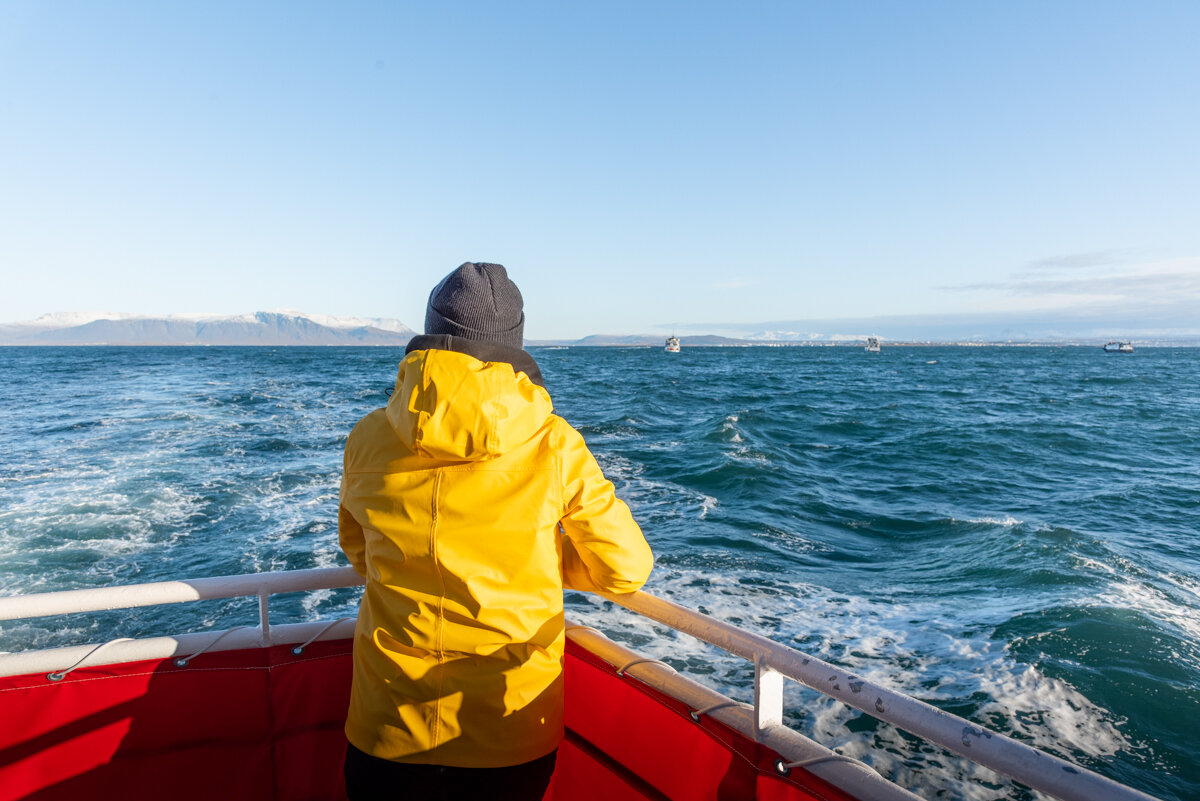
633, 164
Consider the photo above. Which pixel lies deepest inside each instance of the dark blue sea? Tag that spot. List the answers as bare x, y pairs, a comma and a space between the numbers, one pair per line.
1011, 534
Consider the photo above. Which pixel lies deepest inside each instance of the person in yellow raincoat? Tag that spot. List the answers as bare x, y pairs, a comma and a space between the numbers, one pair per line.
468, 505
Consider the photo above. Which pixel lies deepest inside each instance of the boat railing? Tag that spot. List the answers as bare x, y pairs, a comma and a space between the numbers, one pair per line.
60, 661
772, 663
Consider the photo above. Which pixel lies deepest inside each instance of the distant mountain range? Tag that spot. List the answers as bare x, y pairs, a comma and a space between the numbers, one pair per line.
288, 327
638, 340
257, 328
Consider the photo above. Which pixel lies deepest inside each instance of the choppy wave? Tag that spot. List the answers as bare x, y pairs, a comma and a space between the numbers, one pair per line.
1011, 535
950, 661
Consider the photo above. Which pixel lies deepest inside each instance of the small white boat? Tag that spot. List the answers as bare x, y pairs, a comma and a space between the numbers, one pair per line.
1118, 347
872, 345
672, 345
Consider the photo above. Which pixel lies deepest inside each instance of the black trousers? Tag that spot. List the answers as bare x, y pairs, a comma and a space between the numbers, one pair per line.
370, 778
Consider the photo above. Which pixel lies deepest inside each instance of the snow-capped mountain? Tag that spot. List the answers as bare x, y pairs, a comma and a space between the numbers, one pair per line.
382, 323
256, 328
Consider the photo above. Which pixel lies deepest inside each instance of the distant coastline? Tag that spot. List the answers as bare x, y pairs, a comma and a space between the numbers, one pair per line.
269, 329
298, 329
849, 341
858, 344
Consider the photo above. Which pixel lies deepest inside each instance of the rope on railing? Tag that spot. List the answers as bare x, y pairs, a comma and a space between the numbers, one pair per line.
299, 649
784, 768
62, 674
696, 713
643, 660
183, 660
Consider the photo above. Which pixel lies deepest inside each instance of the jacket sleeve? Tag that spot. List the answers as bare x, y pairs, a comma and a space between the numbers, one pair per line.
604, 550
350, 537
350, 532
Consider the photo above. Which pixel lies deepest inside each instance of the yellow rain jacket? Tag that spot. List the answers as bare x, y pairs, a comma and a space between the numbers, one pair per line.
467, 505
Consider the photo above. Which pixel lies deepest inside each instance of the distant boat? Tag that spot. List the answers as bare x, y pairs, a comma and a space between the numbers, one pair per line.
872, 345
1118, 347
672, 345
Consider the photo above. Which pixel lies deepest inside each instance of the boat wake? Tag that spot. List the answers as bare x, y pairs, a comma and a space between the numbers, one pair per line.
950, 662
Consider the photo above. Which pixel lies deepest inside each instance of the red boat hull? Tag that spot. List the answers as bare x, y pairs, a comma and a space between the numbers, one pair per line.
265, 724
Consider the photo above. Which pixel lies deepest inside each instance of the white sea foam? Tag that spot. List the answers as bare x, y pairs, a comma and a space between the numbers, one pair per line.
616, 466
34, 634
730, 430
747, 455
651, 495
1094, 565
1130, 588
882, 642
1155, 603
1187, 585
1054, 715
322, 603
1008, 521
290, 508
90, 519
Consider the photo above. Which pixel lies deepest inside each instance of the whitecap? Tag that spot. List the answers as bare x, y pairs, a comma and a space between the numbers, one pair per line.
729, 430
919, 649
1008, 521
1155, 603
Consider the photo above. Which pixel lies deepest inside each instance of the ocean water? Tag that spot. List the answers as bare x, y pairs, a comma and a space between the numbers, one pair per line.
1011, 534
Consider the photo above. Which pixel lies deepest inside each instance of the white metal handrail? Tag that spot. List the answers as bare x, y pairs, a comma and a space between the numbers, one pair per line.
129, 596
772, 662
856, 778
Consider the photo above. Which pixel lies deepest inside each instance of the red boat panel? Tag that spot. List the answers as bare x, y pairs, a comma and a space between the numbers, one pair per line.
265, 724
652, 737
214, 729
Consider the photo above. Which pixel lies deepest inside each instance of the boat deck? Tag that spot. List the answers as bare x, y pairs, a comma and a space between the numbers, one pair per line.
265, 723
256, 712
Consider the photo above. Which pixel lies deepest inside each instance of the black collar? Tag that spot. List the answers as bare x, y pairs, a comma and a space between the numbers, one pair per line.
520, 360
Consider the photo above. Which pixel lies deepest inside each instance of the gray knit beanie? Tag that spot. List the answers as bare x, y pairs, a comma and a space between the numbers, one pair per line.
477, 301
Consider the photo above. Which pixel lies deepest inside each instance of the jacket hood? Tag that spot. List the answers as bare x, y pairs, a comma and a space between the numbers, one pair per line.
451, 405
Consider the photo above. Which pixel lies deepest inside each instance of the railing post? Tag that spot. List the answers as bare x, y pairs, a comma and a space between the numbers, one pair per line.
264, 596
768, 697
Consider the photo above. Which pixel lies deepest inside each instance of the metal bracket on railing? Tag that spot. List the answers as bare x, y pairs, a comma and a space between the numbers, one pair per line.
183, 660
299, 649
59, 675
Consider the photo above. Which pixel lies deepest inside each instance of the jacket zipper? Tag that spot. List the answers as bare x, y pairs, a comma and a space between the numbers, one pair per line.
437, 624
